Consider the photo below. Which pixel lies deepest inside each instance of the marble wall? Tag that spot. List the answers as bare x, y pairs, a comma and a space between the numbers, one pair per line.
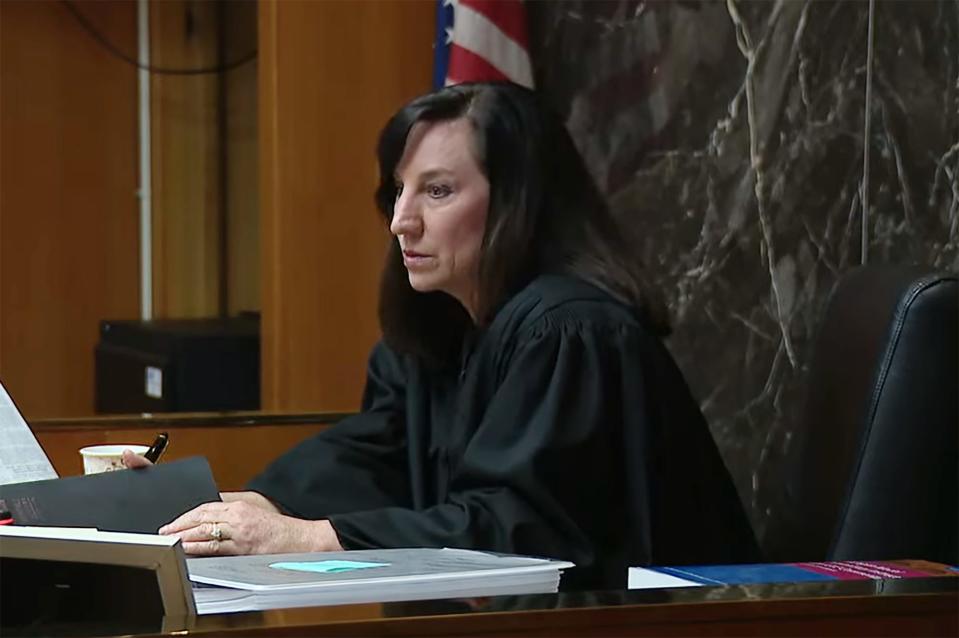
729, 137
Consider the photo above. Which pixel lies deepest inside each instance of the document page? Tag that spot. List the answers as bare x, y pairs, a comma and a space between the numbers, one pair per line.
90, 534
21, 457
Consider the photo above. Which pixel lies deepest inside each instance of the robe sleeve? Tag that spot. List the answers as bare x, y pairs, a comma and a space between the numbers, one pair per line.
359, 463
538, 473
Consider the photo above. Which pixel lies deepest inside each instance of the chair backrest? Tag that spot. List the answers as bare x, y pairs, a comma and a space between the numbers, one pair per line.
877, 474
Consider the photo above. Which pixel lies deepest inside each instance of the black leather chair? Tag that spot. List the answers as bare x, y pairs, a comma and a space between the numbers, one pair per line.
876, 474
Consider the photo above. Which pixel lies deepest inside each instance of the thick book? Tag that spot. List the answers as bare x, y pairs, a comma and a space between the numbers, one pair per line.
245, 583
124, 501
717, 575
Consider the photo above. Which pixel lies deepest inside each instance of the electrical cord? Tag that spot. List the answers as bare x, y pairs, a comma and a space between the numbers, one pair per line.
113, 49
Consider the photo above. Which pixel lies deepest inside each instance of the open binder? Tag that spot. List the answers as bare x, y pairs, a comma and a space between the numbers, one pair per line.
125, 501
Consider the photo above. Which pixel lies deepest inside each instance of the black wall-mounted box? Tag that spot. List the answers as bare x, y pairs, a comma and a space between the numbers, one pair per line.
178, 365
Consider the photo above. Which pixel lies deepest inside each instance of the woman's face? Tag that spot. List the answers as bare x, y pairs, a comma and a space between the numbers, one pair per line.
439, 216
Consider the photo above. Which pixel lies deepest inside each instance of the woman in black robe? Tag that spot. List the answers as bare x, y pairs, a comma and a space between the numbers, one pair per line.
521, 400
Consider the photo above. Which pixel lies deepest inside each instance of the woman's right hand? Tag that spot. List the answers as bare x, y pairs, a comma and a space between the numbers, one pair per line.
133, 461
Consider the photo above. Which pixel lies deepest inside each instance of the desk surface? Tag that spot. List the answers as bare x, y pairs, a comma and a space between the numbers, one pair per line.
907, 607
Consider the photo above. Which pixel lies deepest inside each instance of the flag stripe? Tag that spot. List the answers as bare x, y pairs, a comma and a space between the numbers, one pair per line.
508, 15
466, 66
473, 31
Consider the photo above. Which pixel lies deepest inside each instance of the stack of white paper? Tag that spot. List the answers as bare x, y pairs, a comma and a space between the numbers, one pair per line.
273, 581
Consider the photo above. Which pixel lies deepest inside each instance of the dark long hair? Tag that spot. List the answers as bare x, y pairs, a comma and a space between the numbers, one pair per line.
546, 215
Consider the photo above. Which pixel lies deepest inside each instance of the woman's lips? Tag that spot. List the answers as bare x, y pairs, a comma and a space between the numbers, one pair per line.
412, 259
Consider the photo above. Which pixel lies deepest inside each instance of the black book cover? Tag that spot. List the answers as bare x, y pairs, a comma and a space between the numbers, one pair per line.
139, 500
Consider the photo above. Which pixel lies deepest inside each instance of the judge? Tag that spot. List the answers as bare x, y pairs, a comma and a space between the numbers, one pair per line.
521, 399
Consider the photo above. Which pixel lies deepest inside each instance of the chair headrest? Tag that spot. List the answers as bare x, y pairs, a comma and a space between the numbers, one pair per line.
880, 422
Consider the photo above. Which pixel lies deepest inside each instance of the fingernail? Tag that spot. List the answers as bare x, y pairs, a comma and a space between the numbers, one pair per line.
162, 530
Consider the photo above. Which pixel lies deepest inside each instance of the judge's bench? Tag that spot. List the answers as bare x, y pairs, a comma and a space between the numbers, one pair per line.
914, 607
238, 445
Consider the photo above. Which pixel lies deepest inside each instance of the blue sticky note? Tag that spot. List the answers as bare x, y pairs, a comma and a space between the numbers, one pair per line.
326, 566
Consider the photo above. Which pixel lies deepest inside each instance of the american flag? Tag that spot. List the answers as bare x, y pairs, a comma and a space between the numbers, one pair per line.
481, 40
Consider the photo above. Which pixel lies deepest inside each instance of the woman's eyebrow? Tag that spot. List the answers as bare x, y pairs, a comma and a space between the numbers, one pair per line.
436, 172
427, 174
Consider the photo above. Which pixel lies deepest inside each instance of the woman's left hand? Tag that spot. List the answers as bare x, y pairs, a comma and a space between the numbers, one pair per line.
241, 528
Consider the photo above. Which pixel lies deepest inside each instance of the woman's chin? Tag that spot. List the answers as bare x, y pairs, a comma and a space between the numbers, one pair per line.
419, 283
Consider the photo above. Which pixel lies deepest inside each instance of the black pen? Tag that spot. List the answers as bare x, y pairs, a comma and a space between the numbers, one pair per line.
159, 445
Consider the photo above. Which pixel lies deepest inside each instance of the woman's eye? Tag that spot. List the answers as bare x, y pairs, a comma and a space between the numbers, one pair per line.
399, 190
438, 191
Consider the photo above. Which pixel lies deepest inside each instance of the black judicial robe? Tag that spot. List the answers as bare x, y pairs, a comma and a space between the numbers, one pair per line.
569, 432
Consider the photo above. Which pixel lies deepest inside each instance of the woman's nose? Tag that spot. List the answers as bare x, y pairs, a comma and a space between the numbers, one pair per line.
405, 221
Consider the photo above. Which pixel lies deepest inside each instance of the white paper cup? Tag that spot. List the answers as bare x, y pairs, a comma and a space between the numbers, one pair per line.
106, 458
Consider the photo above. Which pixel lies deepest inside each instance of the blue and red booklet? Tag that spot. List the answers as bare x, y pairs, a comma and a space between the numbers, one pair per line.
716, 575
